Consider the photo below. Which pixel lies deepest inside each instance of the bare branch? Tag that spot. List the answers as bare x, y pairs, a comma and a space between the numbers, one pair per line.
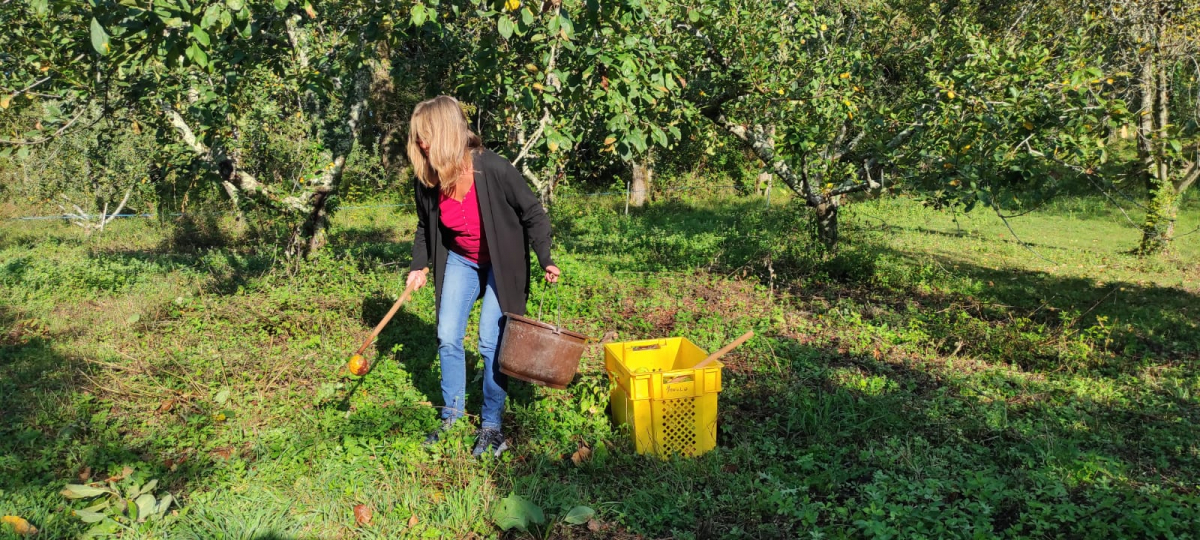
185, 132
901, 137
104, 221
35, 84
1111, 200
231, 175
850, 146
537, 135
764, 150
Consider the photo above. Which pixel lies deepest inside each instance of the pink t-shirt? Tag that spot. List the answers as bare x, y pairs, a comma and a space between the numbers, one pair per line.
464, 226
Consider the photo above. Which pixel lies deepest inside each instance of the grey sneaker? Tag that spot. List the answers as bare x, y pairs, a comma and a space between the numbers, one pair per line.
490, 440
436, 435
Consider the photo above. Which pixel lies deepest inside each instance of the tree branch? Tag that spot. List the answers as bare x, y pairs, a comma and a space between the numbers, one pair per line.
551, 80
528, 143
763, 149
231, 175
850, 146
104, 220
1190, 175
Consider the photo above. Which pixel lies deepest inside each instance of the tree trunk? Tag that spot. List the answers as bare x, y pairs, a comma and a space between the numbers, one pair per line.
827, 222
309, 237
1161, 211
761, 183
642, 174
1163, 205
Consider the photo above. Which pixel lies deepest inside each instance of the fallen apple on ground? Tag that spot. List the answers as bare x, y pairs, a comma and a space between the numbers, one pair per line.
358, 365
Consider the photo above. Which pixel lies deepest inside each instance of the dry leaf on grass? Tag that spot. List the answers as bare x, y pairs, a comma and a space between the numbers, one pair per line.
362, 515
583, 454
20, 526
225, 452
124, 473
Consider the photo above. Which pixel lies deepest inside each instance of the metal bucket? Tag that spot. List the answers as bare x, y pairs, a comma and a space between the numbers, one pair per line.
539, 353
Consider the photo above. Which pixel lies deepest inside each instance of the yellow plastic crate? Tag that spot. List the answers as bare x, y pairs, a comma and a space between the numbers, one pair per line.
669, 407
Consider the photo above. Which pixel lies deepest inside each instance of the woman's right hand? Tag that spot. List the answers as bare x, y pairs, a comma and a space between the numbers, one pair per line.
416, 278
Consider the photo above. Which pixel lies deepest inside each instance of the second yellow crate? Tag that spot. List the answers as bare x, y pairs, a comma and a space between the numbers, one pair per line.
670, 407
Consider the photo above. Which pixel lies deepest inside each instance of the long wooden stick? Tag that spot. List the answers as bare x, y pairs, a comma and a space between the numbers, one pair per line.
714, 356
386, 318
724, 350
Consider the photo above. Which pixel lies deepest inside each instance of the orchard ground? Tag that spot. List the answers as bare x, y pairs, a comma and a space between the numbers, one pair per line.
936, 378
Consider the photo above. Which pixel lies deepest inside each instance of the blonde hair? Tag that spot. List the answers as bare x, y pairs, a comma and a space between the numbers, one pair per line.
441, 124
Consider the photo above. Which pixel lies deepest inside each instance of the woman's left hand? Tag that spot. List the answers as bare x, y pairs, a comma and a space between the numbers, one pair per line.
552, 273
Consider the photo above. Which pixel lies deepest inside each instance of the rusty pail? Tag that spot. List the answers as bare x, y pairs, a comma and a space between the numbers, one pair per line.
539, 353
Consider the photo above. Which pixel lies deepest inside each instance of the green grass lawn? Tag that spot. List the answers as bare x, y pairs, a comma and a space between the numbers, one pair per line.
936, 378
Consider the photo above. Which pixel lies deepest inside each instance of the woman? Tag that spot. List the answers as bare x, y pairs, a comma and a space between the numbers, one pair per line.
476, 219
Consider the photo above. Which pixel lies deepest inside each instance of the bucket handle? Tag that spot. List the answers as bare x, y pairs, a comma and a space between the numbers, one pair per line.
557, 306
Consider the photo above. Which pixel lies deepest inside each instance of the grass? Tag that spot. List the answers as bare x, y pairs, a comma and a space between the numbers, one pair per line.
934, 379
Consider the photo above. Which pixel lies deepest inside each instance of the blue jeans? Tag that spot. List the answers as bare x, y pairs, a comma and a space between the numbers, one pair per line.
460, 288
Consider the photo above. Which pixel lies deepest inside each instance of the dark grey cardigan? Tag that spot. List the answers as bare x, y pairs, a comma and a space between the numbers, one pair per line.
513, 220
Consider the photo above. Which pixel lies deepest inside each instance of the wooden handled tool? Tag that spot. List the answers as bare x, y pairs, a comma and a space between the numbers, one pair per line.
714, 356
386, 318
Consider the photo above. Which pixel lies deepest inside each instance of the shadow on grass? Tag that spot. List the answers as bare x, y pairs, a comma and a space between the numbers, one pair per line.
408, 341
1045, 322
55, 431
853, 446
412, 344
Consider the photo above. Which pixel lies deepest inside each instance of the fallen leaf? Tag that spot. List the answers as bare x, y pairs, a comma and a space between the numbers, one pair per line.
225, 452
20, 526
362, 515
80, 491
583, 454
85, 474
412, 521
125, 472
174, 464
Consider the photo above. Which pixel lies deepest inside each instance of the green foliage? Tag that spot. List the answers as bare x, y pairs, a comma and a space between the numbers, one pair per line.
514, 511
118, 504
